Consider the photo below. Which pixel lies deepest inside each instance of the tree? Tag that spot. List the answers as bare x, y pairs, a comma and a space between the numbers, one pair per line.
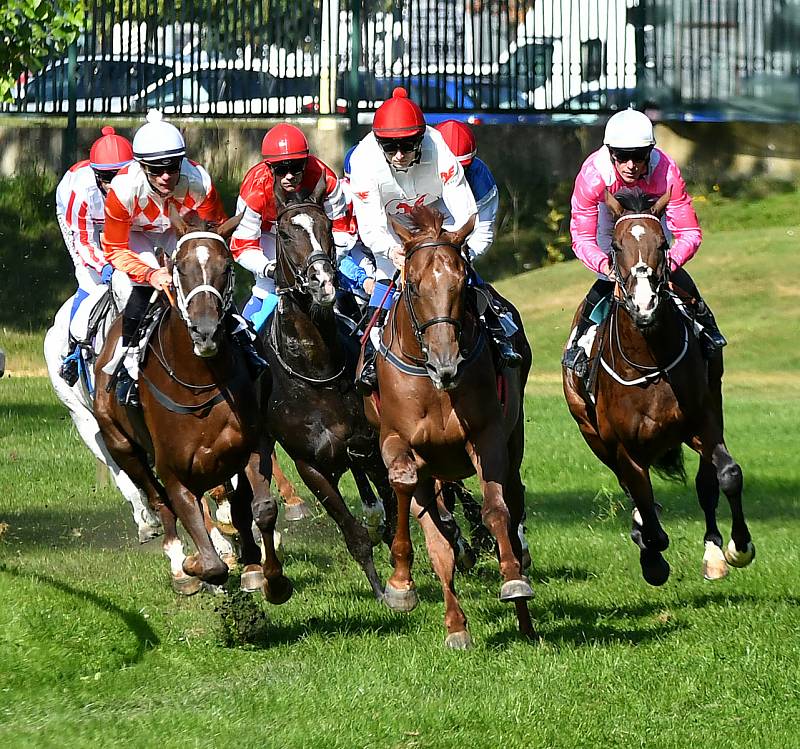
30, 30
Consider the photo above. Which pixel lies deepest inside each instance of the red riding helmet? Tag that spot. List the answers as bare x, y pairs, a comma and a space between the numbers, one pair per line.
398, 117
283, 143
111, 151
459, 139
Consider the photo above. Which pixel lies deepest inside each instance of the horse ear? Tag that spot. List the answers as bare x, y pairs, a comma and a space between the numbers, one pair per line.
460, 236
402, 231
180, 226
661, 203
319, 189
614, 205
226, 229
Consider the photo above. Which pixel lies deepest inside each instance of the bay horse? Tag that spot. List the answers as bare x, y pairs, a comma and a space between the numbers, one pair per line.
200, 420
444, 414
314, 410
654, 392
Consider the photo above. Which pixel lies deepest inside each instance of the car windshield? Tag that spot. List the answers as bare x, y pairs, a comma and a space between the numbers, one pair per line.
212, 84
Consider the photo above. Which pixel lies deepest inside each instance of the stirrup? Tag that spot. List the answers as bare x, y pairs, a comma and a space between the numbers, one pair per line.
509, 358
69, 370
127, 392
575, 359
367, 380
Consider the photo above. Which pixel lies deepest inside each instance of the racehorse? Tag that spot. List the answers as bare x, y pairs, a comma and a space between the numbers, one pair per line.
200, 419
655, 392
445, 414
314, 410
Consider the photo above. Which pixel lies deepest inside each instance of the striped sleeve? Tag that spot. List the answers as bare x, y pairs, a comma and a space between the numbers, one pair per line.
115, 238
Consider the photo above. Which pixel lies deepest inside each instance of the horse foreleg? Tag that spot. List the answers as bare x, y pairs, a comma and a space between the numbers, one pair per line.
371, 506
221, 544
438, 538
401, 593
707, 487
355, 535
376, 472
294, 507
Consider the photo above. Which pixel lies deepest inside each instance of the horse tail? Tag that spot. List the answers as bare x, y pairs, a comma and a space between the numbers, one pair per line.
670, 465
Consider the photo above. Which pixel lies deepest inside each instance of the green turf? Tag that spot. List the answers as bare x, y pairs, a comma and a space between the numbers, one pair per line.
95, 649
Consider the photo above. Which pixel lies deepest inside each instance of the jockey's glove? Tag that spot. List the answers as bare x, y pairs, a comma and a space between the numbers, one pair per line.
106, 273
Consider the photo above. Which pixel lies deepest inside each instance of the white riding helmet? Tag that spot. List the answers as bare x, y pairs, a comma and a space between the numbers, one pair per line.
626, 129
157, 140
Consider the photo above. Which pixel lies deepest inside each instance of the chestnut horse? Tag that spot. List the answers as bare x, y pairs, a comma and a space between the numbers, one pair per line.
200, 420
444, 414
314, 410
654, 392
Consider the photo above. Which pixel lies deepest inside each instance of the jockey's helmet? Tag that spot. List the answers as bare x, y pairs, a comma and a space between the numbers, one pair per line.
284, 142
110, 152
460, 140
629, 129
398, 117
157, 142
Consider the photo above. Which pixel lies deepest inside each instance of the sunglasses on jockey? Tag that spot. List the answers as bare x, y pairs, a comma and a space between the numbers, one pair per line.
105, 175
290, 166
163, 166
404, 145
624, 155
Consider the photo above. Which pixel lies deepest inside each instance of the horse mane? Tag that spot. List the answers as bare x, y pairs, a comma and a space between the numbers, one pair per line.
634, 199
427, 220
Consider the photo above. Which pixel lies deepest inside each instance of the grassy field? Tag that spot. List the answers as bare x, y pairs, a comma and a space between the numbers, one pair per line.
94, 648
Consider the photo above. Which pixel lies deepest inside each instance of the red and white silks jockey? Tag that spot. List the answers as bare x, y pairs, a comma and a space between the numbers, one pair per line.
286, 159
629, 159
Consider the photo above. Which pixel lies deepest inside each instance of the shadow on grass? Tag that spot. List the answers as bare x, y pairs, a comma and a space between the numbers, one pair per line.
35, 412
145, 635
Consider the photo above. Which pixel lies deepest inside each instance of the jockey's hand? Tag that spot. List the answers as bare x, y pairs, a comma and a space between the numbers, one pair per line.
398, 257
160, 279
269, 268
106, 273
607, 270
369, 285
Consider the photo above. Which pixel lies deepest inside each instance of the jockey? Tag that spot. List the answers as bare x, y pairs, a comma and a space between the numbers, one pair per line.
80, 206
137, 224
400, 164
287, 159
629, 158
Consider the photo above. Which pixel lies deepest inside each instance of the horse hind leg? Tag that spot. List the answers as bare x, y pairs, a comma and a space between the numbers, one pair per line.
707, 487
294, 508
222, 545
371, 506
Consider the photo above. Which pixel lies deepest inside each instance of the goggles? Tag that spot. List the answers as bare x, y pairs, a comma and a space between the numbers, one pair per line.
404, 145
163, 166
292, 166
105, 175
624, 155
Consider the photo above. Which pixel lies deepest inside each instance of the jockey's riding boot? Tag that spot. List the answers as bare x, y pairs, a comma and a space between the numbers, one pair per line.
367, 379
501, 338
256, 364
575, 356
711, 339
127, 390
69, 370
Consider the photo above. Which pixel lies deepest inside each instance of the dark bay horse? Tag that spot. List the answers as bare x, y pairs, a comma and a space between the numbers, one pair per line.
444, 414
200, 420
655, 392
314, 410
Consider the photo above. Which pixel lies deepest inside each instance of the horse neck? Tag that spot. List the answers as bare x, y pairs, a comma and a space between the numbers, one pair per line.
174, 344
309, 341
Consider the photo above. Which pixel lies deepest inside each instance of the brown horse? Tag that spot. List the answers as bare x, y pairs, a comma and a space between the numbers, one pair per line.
654, 392
444, 414
200, 420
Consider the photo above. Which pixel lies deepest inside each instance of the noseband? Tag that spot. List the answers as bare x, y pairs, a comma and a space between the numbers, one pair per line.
182, 299
640, 270
299, 273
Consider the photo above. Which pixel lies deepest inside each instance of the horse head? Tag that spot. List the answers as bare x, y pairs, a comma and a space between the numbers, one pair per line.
202, 273
639, 252
305, 248
434, 290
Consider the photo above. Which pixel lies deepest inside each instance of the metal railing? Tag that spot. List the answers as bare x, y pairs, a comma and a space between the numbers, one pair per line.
513, 57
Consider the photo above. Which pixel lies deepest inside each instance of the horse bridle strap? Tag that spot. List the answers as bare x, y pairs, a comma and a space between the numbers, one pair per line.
628, 216
200, 235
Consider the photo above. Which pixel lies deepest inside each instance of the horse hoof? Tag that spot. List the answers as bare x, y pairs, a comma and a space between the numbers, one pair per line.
149, 532
655, 569
458, 640
252, 578
738, 558
400, 600
278, 590
297, 511
516, 590
465, 556
186, 585
231, 562
714, 565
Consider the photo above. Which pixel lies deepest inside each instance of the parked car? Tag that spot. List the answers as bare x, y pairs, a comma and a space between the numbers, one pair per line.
104, 83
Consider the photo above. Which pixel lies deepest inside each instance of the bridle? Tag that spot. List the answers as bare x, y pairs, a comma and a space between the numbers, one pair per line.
183, 299
641, 270
299, 272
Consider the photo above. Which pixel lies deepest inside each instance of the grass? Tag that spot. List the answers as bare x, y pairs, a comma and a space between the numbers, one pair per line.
95, 648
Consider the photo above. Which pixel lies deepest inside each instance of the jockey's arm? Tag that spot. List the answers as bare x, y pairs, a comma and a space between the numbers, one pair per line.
681, 221
245, 246
84, 230
114, 240
335, 206
351, 274
456, 193
586, 196
482, 237
373, 225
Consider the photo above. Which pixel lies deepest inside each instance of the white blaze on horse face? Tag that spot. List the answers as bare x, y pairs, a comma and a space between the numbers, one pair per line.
202, 253
637, 230
643, 295
326, 280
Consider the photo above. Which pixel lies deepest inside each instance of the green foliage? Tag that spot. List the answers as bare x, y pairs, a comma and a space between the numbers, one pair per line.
30, 30
242, 618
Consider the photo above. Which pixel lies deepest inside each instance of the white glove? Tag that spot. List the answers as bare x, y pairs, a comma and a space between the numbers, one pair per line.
398, 257
268, 271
